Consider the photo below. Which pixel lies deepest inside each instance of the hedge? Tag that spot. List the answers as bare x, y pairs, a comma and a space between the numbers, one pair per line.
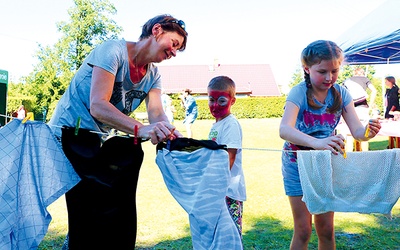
244, 108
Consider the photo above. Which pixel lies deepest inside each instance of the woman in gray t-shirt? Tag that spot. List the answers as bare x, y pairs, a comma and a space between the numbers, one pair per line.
111, 83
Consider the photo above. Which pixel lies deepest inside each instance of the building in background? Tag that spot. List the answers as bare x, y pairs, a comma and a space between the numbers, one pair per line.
252, 80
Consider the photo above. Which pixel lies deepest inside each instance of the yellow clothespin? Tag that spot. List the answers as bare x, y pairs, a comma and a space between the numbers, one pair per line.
366, 131
344, 151
27, 117
78, 124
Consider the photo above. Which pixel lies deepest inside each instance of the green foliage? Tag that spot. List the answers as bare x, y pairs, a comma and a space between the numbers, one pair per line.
16, 97
88, 26
296, 78
257, 107
244, 108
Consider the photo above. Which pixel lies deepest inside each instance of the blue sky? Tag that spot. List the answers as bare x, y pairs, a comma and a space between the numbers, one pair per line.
231, 31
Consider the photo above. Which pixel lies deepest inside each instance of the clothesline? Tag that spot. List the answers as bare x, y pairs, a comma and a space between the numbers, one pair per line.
108, 134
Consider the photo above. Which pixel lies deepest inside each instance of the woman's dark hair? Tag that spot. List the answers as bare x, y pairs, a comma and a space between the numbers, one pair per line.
168, 23
313, 54
391, 79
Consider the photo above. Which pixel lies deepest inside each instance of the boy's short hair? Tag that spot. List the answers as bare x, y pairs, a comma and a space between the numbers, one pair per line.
222, 83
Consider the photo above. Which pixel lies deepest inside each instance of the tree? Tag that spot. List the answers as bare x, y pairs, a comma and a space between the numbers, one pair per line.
89, 26
297, 77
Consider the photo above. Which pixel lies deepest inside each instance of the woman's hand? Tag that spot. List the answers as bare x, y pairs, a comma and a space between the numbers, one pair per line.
158, 132
335, 144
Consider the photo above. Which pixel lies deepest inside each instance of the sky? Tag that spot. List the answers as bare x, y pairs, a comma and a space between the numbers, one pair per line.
226, 31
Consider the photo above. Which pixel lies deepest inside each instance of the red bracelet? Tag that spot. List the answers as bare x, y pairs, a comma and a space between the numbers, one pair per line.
135, 141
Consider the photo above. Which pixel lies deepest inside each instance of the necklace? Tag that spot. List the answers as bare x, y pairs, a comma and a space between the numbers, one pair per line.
134, 71
136, 66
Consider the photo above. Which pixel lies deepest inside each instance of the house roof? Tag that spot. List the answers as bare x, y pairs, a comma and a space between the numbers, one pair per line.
250, 79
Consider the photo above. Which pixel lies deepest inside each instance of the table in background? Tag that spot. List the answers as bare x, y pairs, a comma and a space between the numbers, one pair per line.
389, 128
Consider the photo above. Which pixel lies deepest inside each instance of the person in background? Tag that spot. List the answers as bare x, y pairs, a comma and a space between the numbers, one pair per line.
112, 82
21, 112
312, 111
191, 112
357, 85
391, 96
168, 107
227, 131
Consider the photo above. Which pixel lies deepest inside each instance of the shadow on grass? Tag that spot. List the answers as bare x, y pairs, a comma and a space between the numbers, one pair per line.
384, 234
55, 241
269, 233
266, 233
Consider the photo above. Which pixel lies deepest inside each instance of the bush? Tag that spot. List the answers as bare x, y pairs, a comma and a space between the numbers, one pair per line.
255, 107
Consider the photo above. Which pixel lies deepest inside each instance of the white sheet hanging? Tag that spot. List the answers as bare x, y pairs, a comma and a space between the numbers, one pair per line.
364, 182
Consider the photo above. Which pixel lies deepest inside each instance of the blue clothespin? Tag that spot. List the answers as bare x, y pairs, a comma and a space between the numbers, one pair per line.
78, 124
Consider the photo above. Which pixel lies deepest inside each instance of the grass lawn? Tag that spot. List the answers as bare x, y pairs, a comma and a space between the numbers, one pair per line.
267, 220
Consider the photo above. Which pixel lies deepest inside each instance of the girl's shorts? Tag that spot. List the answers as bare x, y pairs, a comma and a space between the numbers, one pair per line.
291, 178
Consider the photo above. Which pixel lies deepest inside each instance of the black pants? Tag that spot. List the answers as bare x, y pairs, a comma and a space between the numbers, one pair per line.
102, 206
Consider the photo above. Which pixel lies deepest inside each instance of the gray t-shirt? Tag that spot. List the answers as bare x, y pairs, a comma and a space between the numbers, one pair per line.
111, 56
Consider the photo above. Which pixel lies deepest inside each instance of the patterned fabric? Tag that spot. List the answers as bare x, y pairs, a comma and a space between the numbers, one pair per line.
364, 182
198, 180
34, 172
236, 211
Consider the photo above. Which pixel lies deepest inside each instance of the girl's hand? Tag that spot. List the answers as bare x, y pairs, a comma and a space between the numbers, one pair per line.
372, 128
335, 144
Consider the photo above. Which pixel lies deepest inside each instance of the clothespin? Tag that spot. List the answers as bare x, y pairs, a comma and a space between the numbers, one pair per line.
78, 124
135, 135
367, 131
344, 150
28, 116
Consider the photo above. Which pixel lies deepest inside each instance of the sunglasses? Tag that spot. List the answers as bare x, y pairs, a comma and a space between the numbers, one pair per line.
180, 23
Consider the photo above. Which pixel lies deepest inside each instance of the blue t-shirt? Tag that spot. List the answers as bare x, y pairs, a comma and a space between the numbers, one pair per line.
317, 122
314, 122
111, 56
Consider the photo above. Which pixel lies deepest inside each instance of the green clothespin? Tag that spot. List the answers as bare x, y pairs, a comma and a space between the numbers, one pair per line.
78, 124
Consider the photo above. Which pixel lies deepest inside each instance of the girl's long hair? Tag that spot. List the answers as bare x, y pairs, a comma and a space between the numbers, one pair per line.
314, 53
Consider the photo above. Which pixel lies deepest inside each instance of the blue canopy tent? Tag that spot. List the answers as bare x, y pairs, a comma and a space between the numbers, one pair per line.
375, 39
